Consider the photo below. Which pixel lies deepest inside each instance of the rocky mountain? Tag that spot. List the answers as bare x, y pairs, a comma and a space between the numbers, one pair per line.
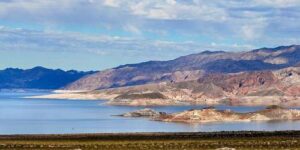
280, 87
190, 68
38, 78
146, 112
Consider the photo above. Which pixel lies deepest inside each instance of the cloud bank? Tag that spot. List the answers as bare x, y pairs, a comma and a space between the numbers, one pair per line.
148, 29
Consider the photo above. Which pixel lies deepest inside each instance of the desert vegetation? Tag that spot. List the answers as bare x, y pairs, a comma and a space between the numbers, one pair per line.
150, 141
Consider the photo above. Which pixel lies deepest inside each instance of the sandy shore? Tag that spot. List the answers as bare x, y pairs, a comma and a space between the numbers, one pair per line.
71, 96
75, 95
236, 101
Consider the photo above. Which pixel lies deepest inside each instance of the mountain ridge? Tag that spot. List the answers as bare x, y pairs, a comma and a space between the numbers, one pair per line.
38, 78
197, 64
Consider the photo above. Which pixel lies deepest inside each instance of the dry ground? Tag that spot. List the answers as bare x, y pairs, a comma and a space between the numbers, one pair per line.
156, 141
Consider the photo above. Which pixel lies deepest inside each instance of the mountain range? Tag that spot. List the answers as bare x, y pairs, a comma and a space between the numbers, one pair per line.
190, 67
38, 78
259, 77
202, 66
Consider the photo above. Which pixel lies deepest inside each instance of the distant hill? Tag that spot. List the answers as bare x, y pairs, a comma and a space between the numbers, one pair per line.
191, 67
38, 78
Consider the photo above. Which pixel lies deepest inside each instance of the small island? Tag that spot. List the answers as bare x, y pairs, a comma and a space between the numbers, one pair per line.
211, 114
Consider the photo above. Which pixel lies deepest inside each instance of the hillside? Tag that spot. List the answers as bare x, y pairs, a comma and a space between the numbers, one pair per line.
38, 78
280, 87
191, 67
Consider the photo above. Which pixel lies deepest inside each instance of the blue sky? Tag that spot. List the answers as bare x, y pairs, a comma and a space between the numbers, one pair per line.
100, 34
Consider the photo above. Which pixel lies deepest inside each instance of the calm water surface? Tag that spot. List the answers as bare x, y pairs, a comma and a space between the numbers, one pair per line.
38, 116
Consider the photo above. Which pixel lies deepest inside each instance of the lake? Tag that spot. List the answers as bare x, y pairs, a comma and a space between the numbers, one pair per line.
19, 115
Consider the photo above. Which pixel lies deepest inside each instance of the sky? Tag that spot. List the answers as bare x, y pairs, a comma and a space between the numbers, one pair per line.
100, 34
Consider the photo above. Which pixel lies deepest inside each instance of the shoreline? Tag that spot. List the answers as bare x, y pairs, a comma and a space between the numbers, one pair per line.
289, 133
110, 99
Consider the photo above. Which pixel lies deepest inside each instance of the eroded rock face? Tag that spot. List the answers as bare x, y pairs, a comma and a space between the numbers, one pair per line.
213, 115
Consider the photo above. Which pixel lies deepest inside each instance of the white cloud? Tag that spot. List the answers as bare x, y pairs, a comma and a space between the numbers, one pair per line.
170, 9
242, 21
139, 30
25, 40
253, 30
111, 3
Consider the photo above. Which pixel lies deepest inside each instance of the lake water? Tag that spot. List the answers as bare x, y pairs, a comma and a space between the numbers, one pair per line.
39, 116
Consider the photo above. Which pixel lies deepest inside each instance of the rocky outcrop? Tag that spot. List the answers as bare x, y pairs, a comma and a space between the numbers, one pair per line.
133, 96
211, 114
143, 113
147, 102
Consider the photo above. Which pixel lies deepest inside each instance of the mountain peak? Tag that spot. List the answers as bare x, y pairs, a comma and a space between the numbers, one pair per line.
39, 68
212, 52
